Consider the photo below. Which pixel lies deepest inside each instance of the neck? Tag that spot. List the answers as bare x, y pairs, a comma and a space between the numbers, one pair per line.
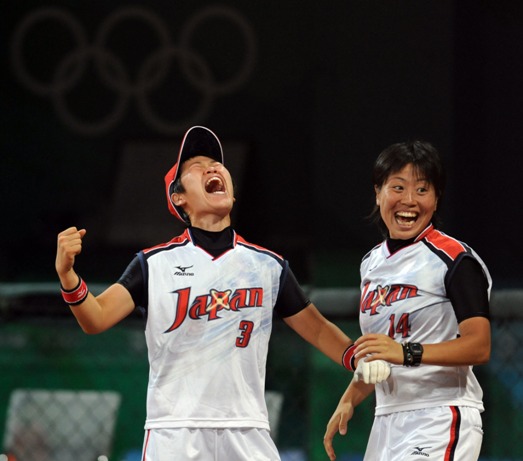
211, 223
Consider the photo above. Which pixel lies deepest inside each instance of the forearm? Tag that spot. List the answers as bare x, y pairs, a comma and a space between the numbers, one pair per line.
472, 347
465, 350
356, 392
89, 315
97, 314
331, 341
320, 332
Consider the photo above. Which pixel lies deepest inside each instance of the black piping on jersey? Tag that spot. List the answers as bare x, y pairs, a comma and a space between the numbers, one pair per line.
167, 246
145, 290
283, 277
288, 288
290, 299
261, 250
450, 262
367, 256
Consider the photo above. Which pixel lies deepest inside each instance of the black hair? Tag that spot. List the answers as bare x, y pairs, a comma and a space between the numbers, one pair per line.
178, 188
425, 159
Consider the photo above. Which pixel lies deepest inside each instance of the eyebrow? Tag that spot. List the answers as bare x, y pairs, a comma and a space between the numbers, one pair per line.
401, 178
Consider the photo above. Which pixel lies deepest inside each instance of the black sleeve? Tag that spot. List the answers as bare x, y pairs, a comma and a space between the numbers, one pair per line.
467, 290
291, 297
132, 279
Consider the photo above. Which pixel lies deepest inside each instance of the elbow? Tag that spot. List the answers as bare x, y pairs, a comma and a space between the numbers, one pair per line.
483, 357
90, 329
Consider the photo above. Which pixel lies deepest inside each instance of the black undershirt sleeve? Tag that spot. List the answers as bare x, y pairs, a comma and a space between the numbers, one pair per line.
132, 280
291, 297
467, 290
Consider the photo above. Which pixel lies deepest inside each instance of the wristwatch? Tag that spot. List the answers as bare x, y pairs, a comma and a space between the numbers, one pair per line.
412, 353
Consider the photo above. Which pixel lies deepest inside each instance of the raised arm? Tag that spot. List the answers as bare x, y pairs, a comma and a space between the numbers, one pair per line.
94, 314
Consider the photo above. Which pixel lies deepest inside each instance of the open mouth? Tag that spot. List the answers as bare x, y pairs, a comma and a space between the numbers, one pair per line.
215, 185
406, 218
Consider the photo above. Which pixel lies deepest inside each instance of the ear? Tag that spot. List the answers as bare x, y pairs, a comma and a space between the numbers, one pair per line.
377, 191
178, 199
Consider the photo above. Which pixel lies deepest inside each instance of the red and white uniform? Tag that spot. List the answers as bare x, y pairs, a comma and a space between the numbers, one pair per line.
208, 327
404, 296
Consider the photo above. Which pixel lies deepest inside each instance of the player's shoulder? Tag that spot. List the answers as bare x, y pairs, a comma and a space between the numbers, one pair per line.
443, 244
176, 242
241, 242
371, 252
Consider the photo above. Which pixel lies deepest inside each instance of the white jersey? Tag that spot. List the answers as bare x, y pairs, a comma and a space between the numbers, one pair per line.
208, 327
403, 295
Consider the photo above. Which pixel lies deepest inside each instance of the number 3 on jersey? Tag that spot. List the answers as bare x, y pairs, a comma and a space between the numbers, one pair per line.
246, 328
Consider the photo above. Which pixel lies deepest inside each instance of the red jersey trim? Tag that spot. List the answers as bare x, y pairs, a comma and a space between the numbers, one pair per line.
146, 444
180, 239
450, 246
244, 242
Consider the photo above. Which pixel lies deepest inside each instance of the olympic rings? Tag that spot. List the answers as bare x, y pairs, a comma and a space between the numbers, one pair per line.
114, 76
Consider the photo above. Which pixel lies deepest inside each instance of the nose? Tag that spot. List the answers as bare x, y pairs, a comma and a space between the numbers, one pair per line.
408, 197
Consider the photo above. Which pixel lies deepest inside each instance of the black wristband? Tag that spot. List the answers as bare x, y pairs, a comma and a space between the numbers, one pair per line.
412, 354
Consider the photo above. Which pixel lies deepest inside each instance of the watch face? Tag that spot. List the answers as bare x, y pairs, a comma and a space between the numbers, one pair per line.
416, 348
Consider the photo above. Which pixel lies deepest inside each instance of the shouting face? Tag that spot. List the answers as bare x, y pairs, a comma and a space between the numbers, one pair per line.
209, 193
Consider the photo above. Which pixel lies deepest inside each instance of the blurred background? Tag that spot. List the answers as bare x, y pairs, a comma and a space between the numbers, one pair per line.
95, 97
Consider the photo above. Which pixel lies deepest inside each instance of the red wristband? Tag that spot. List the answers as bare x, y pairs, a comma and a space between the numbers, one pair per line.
348, 358
76, 295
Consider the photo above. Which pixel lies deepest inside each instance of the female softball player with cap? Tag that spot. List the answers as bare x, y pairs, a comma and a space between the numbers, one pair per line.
208, 296
427, 294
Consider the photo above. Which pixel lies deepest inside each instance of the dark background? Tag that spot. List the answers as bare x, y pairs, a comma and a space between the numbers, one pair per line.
304, 95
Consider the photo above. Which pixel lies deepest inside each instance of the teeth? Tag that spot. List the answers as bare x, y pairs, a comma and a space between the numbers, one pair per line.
406, 218
214, 185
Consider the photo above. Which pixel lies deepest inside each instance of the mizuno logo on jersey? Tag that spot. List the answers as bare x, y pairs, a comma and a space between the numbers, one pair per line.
181, 271
418, 451
211, 304
385, 296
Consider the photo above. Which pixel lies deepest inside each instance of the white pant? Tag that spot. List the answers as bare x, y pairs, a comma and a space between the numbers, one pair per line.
436, 434
194, 444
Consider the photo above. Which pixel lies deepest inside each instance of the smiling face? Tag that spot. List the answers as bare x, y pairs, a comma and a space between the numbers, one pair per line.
407, 202
209, 194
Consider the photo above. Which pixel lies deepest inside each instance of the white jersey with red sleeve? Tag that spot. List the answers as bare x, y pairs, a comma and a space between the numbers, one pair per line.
208, 326
403, 295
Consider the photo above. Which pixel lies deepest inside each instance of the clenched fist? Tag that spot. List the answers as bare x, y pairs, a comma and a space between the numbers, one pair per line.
69, 245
